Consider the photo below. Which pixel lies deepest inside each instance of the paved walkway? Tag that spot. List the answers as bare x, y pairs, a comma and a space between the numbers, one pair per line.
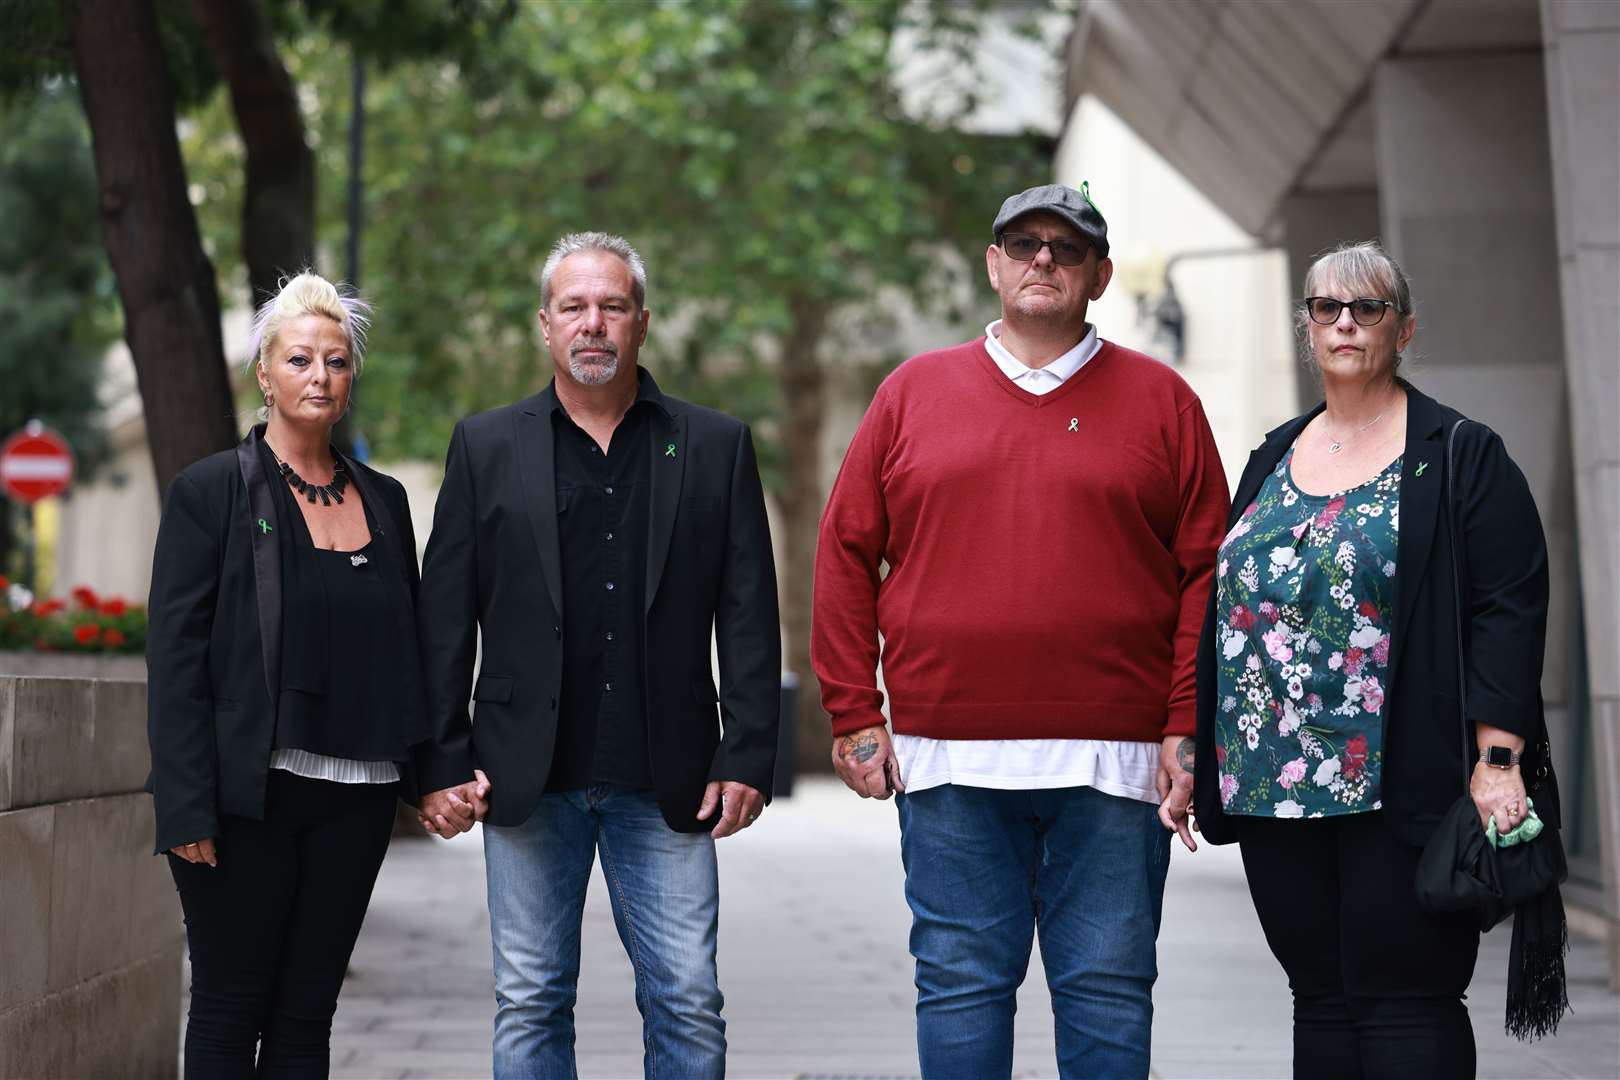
818, 983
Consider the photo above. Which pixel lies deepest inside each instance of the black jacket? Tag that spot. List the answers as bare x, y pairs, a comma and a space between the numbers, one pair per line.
1504, 573
493, 565
213, 647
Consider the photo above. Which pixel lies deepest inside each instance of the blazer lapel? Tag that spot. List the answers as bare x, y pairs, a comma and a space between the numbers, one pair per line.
669, 454
266, 558
1421, 492
1263, 460
538, 465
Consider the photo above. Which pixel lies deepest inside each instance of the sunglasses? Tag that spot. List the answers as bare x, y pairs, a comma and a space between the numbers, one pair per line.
1024, 248
1365, 310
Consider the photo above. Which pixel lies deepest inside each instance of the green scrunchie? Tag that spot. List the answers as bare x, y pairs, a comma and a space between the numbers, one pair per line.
1524, 832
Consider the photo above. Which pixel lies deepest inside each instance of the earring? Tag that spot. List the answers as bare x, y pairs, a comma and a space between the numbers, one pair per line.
269, 398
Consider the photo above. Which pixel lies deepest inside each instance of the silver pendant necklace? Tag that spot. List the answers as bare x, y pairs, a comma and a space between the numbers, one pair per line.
1335, 445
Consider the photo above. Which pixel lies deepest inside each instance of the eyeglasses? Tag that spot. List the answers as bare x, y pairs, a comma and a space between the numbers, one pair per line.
1364, 309
1024, 248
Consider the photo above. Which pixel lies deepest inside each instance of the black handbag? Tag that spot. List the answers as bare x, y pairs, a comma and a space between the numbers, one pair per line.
1462, 871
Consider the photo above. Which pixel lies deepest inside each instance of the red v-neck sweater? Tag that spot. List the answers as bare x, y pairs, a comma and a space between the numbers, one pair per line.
1049, 557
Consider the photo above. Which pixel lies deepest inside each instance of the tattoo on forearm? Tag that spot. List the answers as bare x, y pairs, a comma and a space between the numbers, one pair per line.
1184, 754
861, 748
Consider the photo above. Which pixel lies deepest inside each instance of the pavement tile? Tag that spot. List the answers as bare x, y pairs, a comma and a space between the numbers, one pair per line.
813, 964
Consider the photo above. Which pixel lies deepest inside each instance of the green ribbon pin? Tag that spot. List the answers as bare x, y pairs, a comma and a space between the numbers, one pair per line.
1421, 466
669, 451
264, 526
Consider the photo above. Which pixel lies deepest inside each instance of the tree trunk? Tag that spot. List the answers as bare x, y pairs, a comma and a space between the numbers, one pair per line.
165, 280
278, 204
803, 386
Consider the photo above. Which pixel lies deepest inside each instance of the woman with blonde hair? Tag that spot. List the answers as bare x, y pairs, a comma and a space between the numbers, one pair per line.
282, 697
1331, 739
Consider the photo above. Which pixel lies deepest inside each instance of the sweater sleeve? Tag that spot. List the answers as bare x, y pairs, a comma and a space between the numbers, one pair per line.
1199, 526
849, 553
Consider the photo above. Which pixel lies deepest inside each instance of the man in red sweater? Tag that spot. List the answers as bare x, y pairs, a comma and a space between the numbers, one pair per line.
1048, 505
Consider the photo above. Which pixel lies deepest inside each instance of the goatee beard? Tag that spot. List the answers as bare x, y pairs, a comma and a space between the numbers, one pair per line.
598, 373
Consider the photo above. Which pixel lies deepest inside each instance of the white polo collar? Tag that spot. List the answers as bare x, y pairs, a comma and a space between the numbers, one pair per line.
1054, 374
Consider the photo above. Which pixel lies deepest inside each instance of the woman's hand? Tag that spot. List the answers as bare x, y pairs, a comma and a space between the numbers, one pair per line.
1498, 793
200, 852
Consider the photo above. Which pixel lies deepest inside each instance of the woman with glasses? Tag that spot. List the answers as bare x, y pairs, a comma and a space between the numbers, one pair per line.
1330, 740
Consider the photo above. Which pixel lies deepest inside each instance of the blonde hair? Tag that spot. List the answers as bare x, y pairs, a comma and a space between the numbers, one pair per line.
307, 293
1362, 268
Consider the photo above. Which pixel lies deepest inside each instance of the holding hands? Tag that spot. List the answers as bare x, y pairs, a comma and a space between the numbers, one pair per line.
450, 811
866, 763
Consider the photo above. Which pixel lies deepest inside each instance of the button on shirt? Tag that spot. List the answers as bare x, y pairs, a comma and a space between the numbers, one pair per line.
602, 522
1126, 769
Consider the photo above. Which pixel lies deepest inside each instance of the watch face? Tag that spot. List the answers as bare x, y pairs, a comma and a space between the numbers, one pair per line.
1499, 756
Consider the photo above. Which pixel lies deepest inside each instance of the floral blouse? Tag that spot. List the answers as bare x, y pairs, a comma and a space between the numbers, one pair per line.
1306, 592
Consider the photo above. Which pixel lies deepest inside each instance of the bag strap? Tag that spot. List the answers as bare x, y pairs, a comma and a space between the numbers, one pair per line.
1457, 596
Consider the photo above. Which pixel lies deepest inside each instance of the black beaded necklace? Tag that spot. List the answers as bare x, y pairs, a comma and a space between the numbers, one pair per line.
328, 492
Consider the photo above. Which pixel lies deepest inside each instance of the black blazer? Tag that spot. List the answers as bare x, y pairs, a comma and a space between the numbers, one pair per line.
1504, 573
493, 564
213, 649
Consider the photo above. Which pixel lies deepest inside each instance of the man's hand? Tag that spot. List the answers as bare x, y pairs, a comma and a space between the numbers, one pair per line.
866, 763
200, 852
739, 804
1175, 782
451, 811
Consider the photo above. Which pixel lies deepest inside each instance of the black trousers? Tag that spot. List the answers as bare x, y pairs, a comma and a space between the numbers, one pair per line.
271, 928
1378, 984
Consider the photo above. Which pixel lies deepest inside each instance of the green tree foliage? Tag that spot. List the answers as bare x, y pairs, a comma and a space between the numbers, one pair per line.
755, 150
57, 309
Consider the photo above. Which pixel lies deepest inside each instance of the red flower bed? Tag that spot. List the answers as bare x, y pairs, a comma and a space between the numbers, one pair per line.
93, 624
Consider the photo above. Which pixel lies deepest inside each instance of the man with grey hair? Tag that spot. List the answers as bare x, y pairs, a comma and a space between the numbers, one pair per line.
596, 717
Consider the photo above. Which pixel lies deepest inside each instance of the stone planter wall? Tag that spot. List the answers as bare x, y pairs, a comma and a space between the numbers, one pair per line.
91, 941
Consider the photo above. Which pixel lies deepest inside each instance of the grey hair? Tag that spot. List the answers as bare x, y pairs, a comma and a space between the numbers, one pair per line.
1362, 268
574, 243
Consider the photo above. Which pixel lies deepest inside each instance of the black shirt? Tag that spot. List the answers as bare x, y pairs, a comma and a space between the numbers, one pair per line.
344, 691
602, 522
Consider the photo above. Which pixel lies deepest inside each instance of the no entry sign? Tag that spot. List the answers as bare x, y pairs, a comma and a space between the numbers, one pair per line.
35, 463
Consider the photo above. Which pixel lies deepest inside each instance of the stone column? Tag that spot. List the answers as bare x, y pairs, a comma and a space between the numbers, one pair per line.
1314, 222
1582, 65
1466, 187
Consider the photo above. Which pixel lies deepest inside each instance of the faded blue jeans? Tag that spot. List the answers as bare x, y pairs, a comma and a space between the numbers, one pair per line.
985, 871
664, 888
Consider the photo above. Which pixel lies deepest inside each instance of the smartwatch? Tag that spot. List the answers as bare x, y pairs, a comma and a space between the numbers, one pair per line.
1500, 757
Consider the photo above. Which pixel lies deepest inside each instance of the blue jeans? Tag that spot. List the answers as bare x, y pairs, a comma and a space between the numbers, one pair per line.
985, 871
664, 888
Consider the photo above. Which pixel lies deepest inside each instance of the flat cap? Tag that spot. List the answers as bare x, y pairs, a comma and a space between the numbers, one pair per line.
1072, 206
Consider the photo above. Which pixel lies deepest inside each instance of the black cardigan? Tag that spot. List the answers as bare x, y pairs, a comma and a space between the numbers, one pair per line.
213, 648
1504, 573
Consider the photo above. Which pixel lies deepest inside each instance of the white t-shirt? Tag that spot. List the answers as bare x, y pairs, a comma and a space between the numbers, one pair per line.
1125, 769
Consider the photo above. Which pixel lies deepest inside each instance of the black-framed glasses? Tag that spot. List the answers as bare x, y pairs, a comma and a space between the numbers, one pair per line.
1364, 309
1024, 248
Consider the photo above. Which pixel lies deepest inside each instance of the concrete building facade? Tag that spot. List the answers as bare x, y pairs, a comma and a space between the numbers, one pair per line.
1480, 141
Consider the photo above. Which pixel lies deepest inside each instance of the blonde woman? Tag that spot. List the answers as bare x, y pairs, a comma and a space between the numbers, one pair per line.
282, 697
